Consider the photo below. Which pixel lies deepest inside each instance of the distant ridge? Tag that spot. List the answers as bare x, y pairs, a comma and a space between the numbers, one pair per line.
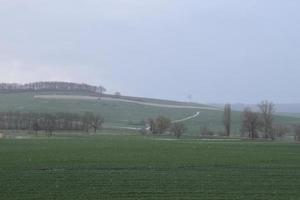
68, 88
50, 86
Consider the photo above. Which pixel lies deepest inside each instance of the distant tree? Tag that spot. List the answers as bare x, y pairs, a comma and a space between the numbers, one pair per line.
36, 126
91, 120
297, 133
251, 123
205, 131
101, 90
279, 130
96, 122
159, 125
178, 129
267, 110
162, 124
151, 123
49, 124
227, 119
87, 120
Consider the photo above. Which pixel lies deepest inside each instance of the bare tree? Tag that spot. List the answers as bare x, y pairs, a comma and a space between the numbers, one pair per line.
267, 110
86, 121
49, 124
251, 123
162, 124
178, 129
96, 122
297, 133
205, 131
159, 125
151, 123
227, 119
36, 126
280, 130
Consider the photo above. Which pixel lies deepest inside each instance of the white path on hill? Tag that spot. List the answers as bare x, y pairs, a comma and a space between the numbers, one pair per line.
187, 118
148, 127
72, 97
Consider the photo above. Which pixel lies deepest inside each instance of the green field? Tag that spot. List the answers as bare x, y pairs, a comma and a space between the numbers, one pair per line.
125, 114
138, 167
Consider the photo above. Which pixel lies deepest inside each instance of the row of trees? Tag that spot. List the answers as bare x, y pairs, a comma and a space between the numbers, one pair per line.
50, 122
297, 133
254, 124
259, 123
51, 86
162, 125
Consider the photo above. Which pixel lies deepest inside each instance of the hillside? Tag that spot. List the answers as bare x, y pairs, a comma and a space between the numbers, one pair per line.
118, 113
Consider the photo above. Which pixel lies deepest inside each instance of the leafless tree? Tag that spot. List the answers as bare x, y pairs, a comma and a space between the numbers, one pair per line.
86, 121
49, 124
279, 130
267, 110
178, 129
162, 124
297, 133
151, 123
251, 123
36, 126
96, 122
159, 125
227, 119
205, 131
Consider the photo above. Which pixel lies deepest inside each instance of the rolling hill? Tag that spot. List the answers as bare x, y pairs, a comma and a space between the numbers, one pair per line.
117, 110
123, 111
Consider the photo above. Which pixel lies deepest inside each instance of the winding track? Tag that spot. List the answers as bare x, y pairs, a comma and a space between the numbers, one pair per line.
175, 121
187, 118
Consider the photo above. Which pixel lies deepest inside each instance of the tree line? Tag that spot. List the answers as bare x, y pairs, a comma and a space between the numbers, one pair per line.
255, 124
49, 122
161, 125
50, 86
260, 123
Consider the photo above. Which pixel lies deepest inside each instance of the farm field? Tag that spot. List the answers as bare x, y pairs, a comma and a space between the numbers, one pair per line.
126, 114
127, 166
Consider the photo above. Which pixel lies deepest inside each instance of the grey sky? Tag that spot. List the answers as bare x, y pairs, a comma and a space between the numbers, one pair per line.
216, 50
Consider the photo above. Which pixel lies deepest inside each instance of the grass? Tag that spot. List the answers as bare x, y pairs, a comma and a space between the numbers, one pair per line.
138, 167
124, 114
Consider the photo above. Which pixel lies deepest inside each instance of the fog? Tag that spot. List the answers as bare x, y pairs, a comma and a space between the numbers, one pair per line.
217, 51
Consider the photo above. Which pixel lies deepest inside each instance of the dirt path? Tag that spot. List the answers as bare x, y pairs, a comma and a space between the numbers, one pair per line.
187, 118
72, 97
148, 127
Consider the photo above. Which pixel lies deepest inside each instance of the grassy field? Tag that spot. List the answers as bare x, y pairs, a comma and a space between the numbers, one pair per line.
123, 113
139, 167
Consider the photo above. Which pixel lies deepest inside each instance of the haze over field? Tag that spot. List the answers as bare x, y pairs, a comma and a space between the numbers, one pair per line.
218, 51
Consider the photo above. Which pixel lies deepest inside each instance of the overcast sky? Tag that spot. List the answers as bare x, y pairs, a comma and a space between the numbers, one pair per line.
215, 50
